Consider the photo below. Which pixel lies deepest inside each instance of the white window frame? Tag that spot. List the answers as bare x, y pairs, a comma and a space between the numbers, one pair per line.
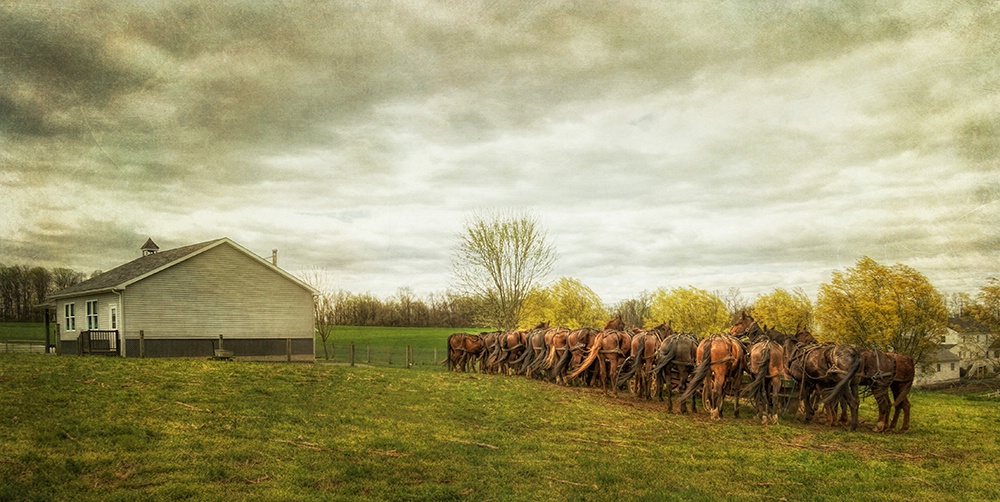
69, 316
93, 320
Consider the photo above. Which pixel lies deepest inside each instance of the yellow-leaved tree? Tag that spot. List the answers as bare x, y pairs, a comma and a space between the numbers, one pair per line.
783, 310
888, 308
689, 310
566, 302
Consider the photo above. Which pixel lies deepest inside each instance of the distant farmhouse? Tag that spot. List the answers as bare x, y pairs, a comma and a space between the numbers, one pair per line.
972, 354
213, 298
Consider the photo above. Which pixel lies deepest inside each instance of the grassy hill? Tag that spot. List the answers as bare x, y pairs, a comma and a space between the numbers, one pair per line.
166, 429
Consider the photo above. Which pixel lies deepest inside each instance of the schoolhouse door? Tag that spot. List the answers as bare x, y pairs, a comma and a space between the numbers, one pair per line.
113, 323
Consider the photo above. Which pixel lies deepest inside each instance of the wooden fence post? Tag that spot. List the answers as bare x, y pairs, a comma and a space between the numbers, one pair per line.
352, 353
388, 356
368, 348
142, 344
288, 348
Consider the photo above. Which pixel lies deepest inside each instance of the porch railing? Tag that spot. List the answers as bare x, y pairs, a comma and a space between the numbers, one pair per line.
99, 341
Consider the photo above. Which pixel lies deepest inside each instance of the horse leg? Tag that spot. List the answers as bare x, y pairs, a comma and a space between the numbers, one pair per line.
805, 399
881, 394
906, 415
853, 401
737, 386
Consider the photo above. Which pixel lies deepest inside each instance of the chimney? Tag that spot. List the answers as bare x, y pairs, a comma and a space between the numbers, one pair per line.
149, 247
274, 257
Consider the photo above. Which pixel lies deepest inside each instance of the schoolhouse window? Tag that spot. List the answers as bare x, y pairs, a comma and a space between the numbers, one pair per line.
952, 366
92, 315
939, 367
70, 316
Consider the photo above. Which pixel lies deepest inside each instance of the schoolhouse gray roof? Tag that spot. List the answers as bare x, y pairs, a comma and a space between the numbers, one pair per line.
123, 275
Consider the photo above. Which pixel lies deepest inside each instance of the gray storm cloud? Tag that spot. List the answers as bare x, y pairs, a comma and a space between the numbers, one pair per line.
762, 144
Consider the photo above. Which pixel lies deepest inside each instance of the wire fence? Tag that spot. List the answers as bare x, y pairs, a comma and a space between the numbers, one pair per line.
381, 355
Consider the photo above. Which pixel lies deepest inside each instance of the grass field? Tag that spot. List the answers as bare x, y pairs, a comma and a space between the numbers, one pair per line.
34, 331
385, 346
164, 429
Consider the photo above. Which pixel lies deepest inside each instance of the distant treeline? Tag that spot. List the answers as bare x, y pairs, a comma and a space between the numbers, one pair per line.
446, 310
23, 288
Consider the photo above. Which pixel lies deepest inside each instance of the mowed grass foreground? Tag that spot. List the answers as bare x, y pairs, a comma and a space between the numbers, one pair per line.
165, 429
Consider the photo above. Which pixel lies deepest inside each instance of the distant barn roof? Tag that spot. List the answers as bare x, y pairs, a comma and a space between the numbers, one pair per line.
134, 269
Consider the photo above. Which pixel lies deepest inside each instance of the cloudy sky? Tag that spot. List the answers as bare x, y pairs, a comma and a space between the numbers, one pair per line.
752, 145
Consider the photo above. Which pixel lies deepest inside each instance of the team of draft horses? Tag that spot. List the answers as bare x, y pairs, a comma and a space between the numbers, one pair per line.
651, 361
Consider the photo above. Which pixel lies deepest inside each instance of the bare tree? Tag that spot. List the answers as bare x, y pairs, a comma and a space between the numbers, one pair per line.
499, 258
735, 302
324, 306
635, 311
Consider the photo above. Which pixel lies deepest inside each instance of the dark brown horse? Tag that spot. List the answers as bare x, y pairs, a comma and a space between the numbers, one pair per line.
463, 349
900, 387
490, 353
878, 369
723, 357
825, 367
534, 349
674, 361
743, 325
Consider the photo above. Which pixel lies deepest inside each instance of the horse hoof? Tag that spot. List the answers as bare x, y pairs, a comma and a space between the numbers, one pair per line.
774, 419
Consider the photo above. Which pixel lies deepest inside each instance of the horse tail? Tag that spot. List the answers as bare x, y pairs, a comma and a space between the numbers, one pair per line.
538, 362
904, 392
846, 380
700, 372
451, 351
561, 363
550, 360
595, 350
760, 374
665, 358
523, 359
636, 359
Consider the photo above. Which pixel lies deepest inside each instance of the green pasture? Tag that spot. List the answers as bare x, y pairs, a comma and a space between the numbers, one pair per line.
94, 428
372, 345
27, 331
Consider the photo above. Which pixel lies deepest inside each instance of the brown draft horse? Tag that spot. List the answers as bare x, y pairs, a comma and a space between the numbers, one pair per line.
534, 348
640, 363
900, 387
463, 348
723, 356
511, 345
825, 366
674, 360
490, 353
766, 368
878, 369
578, 342
555, 361
609, 348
